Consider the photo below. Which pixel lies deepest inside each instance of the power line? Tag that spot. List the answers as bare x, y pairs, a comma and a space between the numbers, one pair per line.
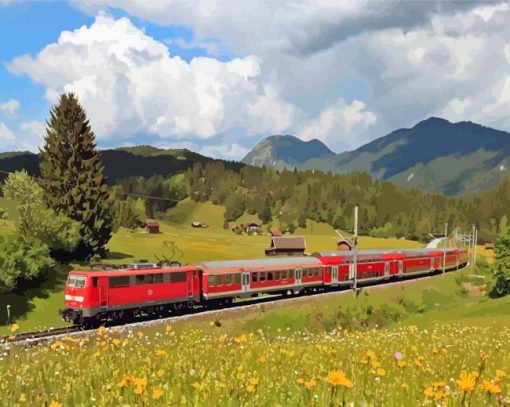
76, 185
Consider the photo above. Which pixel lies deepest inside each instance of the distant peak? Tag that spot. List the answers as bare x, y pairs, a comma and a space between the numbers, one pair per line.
433, 121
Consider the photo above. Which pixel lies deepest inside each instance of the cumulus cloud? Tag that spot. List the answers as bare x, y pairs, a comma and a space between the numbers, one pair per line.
227, 151
339, 125
129, 84
28, 136
10, 107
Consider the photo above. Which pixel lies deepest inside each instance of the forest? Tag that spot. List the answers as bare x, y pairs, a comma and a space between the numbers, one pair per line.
294, 196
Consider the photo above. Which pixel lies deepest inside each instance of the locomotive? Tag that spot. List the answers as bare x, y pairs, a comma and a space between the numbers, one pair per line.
93, 297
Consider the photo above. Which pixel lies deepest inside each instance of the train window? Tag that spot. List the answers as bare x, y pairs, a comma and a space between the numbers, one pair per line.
120, 281
262, 276
144, 279
310, 272
71, 281
80, 281
228, 279
177, 277
284, 275
219, 280
210, 281
317, 272
94, 281
237, 278
269, 276
277, 275
254, 276
158, 278
291, 273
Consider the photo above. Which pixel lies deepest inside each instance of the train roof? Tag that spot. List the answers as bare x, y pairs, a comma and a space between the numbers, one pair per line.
375, 253
252, 263
132, 271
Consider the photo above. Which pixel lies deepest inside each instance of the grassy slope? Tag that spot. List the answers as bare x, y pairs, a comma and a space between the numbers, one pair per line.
41, 309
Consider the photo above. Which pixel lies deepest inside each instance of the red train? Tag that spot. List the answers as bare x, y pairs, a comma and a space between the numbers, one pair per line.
93, 297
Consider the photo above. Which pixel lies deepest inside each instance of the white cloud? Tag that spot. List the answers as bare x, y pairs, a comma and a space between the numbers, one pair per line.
129, 84
10, 107
339, 125
226, 151
5, 133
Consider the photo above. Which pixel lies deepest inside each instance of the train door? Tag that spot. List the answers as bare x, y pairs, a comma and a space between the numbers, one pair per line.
299, 274
334, 274
400, 267
386, 269
245, 278
103, 291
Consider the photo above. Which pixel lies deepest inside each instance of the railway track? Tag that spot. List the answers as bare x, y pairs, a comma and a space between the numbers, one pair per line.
32, 338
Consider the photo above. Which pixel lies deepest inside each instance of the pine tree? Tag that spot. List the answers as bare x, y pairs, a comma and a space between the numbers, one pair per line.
76, 186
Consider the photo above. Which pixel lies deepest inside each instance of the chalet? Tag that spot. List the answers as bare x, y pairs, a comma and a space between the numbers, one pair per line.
251, 227
287, 246
152, 226
489, 246
275, 232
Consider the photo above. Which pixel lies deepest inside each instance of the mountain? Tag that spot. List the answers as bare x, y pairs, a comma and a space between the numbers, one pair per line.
286, 152
124, 162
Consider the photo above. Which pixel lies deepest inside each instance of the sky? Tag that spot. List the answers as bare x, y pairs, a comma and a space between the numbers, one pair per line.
216, 77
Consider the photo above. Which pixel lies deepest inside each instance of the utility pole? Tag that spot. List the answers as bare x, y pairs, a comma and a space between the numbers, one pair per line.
474, 252
444, 249
473, 247
355, 243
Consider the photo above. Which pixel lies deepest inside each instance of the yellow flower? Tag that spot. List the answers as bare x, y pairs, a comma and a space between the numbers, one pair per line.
250, 388
401, 363
126, 381
101, 330
157, 393
22, 397
370, 354
419, 361
262, 359
160, 352
168, 328
491, 388
375, 363
140, 334
222, 338
14, 327
310, 384
429, 392
499, 375
241, 338
380, 371
260, 332
160, 372
138, 389
252, 384
55, 403
254, 381
338, 378
467, 381
116, 341
300, 381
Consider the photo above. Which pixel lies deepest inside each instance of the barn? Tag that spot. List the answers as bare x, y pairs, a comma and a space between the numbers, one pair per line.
152, 226
286, 246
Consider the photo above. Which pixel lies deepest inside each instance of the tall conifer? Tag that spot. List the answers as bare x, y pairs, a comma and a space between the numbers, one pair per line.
72, 167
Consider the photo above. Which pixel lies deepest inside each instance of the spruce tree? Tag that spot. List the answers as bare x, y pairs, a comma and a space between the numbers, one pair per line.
74, 173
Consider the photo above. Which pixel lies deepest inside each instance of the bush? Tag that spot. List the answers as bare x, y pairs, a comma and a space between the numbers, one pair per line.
501, 269
21, 259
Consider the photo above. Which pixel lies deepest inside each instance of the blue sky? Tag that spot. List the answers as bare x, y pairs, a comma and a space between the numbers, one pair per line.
217, 77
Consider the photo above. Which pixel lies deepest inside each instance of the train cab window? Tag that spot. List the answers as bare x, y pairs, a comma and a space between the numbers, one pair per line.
94, 281
284, 275
262, 276
237, 278
144, 279
219, 280
120, 281
254, 276
178, 277
210, 281
291, 273
277, 275
228, 279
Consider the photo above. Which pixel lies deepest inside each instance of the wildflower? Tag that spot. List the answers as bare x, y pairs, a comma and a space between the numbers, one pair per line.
380, 371
371, 354
222, 338
260, 332
491, 388
126, 381
168, 328
399, 356
338, 378
300, 381
499, 375
467, 381
101, 330
310, 384
262, 359
55, 403
157, 393
140, 334
401, 363
22, 397
116, 341
429, 392
252, 385
160, 352
419, 361
14, 327
160, 372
